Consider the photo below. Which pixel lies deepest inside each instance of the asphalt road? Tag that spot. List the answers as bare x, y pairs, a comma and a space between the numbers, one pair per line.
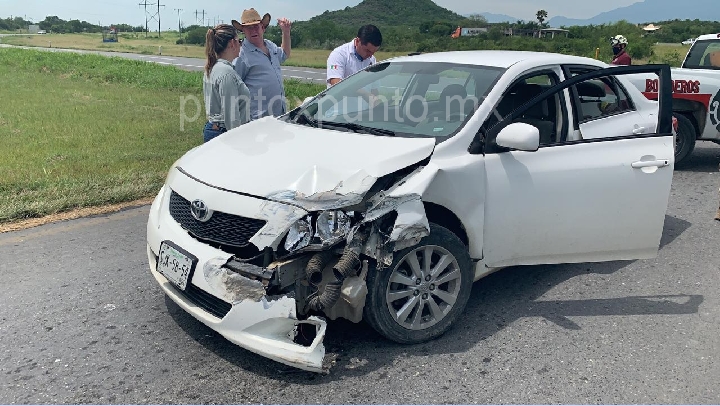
82, 321
192, 64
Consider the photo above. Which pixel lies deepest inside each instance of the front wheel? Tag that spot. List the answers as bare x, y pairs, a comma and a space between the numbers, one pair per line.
684, 139
424, 290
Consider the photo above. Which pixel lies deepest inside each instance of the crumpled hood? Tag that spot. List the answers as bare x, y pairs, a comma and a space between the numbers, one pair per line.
283, 161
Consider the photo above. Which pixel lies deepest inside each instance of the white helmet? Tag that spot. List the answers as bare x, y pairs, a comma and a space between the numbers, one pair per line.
618, 40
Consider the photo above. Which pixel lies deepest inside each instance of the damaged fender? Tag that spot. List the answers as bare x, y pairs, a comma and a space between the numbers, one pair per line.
411, 223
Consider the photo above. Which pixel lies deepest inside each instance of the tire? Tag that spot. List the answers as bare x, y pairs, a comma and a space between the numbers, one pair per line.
685, 139
437, 313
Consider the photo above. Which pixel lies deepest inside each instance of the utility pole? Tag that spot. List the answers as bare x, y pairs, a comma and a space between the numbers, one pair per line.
158, 16
151, 15
145, 3
179, 10
202, 22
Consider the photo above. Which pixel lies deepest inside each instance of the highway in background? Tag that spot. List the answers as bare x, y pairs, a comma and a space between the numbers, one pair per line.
191, 64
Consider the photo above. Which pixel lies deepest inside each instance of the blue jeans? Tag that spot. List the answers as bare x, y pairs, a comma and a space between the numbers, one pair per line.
211, 131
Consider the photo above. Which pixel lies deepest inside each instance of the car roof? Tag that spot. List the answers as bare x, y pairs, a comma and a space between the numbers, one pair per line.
708, 36
500, 59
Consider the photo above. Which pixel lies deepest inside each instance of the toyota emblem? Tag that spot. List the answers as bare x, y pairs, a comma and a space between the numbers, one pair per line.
200, 211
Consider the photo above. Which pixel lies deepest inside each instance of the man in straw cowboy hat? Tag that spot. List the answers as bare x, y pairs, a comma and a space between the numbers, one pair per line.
259, 63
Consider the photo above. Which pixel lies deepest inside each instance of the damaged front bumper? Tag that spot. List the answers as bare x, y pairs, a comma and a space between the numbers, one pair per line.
264, 325
228, 291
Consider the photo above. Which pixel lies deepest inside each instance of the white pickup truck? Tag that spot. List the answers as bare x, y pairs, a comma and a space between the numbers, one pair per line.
696, 95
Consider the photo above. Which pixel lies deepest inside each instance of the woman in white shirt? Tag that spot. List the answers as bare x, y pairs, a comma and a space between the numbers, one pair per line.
227, 98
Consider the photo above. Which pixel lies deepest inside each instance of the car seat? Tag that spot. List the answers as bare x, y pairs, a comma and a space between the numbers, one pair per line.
538, 115
452, 100
590, 95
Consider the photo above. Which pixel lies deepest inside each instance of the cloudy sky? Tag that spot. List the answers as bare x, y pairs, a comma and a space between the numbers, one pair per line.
130, 12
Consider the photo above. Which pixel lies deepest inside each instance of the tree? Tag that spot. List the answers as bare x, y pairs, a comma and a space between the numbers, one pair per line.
478, 18
196, 36
541, 16
441, 29
50, 22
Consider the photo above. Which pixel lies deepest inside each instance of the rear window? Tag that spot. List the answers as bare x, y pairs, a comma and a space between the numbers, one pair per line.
704, 55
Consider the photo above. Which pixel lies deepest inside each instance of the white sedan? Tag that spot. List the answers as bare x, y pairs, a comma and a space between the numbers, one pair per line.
387, 195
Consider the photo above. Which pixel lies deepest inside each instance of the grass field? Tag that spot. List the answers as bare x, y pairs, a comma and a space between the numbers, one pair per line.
138, 43
85, 130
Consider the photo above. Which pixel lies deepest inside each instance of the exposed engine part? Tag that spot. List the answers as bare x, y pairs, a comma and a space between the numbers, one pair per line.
347, 266
328, 297
316, 265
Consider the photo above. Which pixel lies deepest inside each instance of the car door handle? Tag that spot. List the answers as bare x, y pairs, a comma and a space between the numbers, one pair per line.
646, 164
638, 130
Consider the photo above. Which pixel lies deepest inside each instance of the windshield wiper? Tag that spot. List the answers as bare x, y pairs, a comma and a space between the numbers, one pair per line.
359, 128
306, 120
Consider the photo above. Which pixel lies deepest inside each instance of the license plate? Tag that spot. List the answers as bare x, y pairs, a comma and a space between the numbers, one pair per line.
175, 264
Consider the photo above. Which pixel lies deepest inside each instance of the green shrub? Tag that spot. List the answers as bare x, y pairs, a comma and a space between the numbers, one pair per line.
196, 36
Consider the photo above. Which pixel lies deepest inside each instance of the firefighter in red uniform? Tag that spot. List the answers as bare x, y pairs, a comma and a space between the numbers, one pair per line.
621, 57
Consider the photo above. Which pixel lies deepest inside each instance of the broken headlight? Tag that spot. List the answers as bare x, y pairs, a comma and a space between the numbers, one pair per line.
300, 234
332, 226
329, 228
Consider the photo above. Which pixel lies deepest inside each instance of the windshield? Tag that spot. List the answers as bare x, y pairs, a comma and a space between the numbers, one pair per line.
704, 55
405, 99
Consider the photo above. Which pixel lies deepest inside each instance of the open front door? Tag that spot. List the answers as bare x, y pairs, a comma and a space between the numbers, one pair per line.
582, 200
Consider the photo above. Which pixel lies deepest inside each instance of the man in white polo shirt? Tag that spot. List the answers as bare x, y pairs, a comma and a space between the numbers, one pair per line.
355, 55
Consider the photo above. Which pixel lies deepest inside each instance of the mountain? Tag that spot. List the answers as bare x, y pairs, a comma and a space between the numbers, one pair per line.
499, 18
389, 13
649, 11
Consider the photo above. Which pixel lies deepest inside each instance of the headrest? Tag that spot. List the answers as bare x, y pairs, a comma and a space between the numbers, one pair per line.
527, 91
714, 58
589, 89
453, 91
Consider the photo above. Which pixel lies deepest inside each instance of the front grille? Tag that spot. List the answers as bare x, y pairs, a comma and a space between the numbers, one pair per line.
222, 228
217, 307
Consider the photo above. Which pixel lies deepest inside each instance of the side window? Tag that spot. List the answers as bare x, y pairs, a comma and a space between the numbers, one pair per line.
704, 54
601, 98
547, 115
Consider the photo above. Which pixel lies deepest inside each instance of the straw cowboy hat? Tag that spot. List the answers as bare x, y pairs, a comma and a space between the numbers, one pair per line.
251, 17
